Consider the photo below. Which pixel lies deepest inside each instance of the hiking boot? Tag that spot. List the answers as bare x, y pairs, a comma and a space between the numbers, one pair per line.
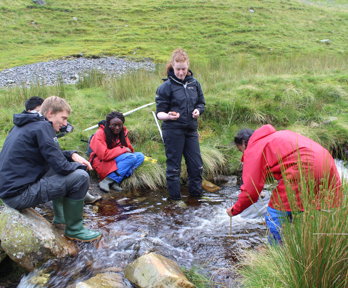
104, 185
90, 199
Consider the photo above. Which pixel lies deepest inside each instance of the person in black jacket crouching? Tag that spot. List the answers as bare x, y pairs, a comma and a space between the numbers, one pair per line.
179, 103
34, 170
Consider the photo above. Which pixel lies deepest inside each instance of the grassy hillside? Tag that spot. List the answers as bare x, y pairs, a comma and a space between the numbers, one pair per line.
151, 28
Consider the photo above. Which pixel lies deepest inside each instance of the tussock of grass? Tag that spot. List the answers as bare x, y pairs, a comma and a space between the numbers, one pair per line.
148, 175
261, 269
213, 162
196, 278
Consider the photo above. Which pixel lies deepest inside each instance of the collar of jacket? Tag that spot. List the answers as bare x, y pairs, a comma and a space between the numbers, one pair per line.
188, 78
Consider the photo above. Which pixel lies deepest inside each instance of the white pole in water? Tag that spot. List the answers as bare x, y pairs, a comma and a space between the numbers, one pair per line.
124, 114
158, 126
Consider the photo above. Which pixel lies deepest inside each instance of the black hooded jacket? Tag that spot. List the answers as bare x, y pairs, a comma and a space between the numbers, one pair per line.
181, 96
30, 149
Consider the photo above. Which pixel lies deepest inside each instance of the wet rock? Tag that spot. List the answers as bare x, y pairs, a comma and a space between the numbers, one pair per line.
40, 280
103, 280
2, 254
210, 187
154, 270
29, 239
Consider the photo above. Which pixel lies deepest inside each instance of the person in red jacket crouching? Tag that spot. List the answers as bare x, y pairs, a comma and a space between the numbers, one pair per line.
113, 156
296, 162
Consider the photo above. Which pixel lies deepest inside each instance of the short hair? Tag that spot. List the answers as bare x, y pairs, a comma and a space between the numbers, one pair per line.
243, 136
33, 102
55, 104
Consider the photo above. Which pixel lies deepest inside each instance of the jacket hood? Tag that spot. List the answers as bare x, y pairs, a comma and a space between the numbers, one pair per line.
171, 75
26, 117
262, 132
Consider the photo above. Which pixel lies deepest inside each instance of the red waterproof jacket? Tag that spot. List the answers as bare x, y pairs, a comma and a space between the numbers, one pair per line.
102, 158
285, 155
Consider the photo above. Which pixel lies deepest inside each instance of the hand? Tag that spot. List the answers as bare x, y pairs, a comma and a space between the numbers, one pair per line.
172, 115
195, 113
79, 159
229, 211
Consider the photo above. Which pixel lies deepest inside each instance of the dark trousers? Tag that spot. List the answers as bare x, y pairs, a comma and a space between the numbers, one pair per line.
180, 142
51, 186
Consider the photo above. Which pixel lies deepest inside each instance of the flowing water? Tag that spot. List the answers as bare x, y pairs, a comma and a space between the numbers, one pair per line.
199, 236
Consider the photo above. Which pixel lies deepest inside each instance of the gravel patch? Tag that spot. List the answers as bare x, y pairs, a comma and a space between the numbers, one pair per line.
48, 73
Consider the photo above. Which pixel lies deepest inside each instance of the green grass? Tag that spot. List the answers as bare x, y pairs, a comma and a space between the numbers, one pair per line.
198, 279
153, 28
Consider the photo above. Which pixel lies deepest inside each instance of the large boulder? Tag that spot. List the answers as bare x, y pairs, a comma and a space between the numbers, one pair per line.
155, 271
30, 240
103, 280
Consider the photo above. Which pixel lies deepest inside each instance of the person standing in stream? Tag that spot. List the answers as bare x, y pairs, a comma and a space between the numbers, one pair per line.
179, 103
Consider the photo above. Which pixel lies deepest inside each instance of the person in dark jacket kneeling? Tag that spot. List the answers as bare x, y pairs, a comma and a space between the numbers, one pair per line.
179, 103
34, 170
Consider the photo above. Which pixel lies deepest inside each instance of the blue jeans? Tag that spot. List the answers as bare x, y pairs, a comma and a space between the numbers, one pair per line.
126, 164
274, 220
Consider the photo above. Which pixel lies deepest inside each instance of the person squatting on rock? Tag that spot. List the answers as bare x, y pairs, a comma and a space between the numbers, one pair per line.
33, 105
34, 170
113, 156
296, 162
179, 103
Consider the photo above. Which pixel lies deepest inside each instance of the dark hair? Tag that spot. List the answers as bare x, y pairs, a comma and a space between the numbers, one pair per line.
111, 138
243, 136
33, 102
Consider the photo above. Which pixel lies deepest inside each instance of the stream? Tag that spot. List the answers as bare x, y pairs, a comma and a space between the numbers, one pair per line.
133, 223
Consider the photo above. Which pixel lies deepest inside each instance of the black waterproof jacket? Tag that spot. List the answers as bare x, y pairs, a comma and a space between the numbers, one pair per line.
30, 149
181, 96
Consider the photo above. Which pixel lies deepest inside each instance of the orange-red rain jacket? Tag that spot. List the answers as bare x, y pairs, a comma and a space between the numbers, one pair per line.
102, 158
284, 154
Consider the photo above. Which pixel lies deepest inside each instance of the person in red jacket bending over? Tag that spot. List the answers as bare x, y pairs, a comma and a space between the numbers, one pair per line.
113, 156
294, 161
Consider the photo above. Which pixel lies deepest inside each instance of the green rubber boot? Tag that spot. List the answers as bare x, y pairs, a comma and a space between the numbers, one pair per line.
73, 210
58, 211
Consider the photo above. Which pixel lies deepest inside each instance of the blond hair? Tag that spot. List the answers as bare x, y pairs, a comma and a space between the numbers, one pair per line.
178, 55
55, 104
